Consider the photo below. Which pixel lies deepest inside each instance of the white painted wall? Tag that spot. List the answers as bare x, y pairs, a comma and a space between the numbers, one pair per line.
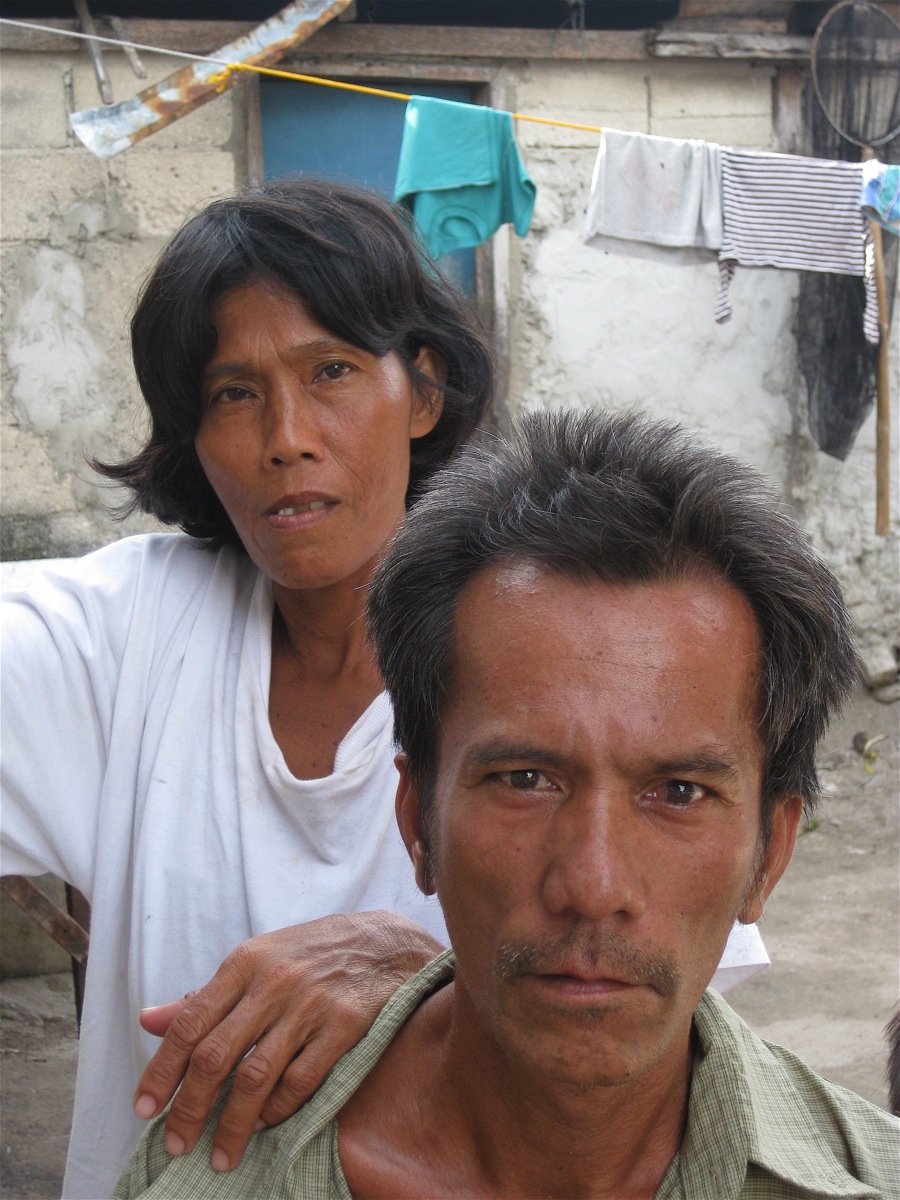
623, 325
612, 323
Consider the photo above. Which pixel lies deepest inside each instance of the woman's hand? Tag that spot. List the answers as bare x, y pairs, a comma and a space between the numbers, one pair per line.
300, 997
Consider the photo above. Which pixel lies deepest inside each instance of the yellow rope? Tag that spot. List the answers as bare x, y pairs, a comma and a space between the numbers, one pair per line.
370, 91
238, 66
349, 87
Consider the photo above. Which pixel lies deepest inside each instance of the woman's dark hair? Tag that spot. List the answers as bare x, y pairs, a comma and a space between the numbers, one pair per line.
356, 263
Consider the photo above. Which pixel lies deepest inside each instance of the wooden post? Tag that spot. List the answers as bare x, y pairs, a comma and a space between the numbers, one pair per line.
882, 384
882, 396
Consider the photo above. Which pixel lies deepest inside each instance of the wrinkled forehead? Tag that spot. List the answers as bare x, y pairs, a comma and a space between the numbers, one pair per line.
523, 633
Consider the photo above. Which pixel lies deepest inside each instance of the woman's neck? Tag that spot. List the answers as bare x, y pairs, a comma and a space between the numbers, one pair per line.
324, 675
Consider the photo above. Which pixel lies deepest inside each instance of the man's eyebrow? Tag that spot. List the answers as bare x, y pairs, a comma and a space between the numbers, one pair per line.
708, 762
711, 762
499, 750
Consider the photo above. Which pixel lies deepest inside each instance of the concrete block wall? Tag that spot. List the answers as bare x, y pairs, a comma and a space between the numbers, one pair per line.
611, 323
77, 235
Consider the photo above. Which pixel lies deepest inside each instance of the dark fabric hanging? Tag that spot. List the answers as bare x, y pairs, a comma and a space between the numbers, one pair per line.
837, 362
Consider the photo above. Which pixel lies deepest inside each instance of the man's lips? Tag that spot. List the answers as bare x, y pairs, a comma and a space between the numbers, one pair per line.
578, 981
590, 961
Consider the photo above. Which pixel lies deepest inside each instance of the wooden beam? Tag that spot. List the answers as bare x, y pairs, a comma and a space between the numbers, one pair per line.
772, 47
363, 41
64, 930
367, 45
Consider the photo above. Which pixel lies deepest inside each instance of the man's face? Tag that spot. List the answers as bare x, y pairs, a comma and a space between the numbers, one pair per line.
596, 817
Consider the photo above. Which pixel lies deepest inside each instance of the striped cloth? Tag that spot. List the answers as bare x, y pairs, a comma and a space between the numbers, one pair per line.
800, 214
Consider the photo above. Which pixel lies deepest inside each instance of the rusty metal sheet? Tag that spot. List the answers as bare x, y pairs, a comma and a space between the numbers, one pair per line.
61, 927
109, 130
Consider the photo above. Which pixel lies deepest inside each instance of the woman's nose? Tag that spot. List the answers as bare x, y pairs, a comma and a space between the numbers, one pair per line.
292, 427
595, 868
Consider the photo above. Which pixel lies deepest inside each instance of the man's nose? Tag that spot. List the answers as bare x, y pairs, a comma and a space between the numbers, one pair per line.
292, 425
597, 864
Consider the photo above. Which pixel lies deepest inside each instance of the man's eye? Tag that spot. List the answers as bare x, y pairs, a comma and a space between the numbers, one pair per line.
680, 793
525, 781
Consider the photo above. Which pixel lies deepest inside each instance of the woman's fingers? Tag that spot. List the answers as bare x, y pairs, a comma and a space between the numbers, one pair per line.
302, 1077
256, 1073
269, 1086
157, 1020
279, 1012
184, 1023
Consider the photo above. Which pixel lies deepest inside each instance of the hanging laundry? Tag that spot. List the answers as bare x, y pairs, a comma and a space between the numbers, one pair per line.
461, 167
880, 195
666, 191
801, 214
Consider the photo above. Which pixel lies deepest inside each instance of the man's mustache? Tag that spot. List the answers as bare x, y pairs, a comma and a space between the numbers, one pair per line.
594, 950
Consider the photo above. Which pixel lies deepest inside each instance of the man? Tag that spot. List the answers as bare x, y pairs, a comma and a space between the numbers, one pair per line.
611, 660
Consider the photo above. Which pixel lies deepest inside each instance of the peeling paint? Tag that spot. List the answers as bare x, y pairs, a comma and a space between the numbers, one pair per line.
114, 127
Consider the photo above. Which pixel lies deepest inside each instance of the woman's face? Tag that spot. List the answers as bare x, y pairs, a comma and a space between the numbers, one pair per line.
305, 438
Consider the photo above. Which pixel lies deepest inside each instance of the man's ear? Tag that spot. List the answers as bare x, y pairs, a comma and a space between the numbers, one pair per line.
409, 820
785, 822
429, 401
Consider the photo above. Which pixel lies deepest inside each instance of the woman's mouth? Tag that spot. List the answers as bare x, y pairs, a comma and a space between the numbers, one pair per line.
294, 510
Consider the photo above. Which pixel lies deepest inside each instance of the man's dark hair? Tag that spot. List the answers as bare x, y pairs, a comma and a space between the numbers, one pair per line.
623, 500
355, 262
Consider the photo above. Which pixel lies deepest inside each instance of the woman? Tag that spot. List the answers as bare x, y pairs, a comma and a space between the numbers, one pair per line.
196, 734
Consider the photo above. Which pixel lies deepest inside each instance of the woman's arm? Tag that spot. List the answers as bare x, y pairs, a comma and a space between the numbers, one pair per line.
296, 999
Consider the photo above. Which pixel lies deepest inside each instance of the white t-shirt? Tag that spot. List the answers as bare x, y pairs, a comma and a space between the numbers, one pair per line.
139, 764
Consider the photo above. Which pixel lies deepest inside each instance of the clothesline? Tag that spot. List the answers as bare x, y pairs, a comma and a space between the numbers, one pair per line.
121, 44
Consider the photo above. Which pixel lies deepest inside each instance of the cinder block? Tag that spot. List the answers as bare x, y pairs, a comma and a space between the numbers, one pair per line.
752, 133
531, 136
547, 88
32, 101
714, 89
161, 187
38, 189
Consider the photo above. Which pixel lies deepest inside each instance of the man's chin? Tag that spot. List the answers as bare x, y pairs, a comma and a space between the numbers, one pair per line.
586, 1033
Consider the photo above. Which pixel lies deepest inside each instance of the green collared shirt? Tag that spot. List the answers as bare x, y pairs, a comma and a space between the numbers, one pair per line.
761, 1126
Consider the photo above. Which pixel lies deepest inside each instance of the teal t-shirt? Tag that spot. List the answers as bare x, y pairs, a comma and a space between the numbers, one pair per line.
461, 169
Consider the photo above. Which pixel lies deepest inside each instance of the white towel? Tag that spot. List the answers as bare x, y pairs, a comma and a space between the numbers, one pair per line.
666, 191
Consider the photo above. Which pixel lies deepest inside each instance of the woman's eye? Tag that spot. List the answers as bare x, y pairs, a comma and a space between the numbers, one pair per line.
334, 370
230, 394
527, 780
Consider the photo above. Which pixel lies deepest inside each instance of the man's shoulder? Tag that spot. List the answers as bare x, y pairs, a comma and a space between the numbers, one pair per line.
296, 1159
792, 1124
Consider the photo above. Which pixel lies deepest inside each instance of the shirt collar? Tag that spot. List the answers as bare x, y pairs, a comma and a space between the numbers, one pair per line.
744, 1108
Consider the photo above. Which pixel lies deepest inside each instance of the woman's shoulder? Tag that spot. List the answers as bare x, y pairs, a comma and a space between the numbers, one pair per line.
125, 565
150, 581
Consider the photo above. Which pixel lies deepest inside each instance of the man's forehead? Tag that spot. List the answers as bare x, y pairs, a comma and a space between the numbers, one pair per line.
695, 633
523, 586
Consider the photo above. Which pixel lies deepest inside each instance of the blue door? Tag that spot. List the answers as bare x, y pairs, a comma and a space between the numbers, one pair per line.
315, 130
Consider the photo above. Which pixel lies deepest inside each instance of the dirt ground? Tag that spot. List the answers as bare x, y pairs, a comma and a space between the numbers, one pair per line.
832, 929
